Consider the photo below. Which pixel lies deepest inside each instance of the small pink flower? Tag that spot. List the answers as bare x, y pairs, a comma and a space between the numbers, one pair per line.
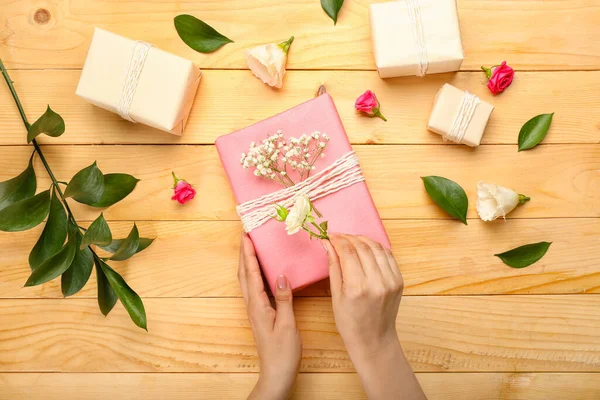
368, 104
499, 77
184, 192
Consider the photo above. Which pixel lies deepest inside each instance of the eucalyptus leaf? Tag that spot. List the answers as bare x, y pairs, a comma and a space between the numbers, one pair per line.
18, 188
53, 236
534, 131
129, 246
199, 35
97, 233
116, 188
524, 256
87, 186
129, 298
75, 278
25, 214
332, 8
116, 244
55, 265
107, 298
448, 195
50, 123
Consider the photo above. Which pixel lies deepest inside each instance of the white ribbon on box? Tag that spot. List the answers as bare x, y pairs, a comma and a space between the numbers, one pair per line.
463, 118
139, 53
414, 16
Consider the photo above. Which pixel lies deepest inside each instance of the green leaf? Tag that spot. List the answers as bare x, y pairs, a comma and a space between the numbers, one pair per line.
199, 35
98, 233
116, 188
448, 195
332, 8
107, 298
534, 131
55, 265
116, 244
324, 225
53, 236
75, 278
130, 299
25, 214
87, 186
50, 123
524, 256
129, 246
18, 188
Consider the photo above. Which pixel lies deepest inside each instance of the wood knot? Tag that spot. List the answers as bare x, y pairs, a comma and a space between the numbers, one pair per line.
41, 16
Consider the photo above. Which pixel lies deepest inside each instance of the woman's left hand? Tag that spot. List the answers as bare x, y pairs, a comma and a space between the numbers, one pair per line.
275, 331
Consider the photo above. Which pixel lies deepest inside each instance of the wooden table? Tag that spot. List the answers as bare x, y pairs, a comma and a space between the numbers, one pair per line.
471, 327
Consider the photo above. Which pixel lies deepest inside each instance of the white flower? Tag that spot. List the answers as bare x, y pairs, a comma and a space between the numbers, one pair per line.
267, 62
495, 201
298, 215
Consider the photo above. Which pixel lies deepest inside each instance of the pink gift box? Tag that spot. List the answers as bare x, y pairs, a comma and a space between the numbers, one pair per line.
350, 210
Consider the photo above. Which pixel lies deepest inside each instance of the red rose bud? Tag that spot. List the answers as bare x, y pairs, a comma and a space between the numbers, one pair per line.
499, 77
184, 192
368, 104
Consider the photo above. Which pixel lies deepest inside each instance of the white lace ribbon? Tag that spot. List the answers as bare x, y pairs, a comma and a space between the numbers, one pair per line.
414, 17
139, 53
344, 172
463, 117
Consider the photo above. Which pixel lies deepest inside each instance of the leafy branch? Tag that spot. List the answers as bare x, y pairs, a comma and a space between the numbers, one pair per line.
65, 248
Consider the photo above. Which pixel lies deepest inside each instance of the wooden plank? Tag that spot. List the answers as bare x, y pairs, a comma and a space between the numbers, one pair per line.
57, 34
309, 386
562, 180
406, 103
439, 334
435, 258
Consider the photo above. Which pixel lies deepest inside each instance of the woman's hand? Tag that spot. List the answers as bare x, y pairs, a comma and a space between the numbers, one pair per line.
275, 332
366, 288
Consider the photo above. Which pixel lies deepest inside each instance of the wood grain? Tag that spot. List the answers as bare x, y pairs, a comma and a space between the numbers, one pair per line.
56, 34
562, 180
406, 103
436, 257
309, 386
442, 333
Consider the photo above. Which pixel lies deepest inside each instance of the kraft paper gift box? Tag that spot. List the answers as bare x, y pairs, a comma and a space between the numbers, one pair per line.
404, 32
349, 210
139, 82
459, 116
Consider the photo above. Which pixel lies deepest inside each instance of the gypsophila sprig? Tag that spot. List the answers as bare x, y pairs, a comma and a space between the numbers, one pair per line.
290, 161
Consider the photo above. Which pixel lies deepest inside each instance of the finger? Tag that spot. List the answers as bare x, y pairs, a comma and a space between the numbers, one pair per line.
366, 256
254, 283
335, 270
284, 303
242, 272
394, 266
350, 264
379, 252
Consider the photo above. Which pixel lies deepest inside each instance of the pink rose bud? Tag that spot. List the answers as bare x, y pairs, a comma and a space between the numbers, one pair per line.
184, 192
499, 77
368, 104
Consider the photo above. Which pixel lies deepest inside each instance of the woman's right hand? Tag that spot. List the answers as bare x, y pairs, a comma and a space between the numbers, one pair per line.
366, 288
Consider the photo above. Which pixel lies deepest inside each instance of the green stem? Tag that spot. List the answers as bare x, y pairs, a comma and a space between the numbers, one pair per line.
285, 46
35, 144
378, 113
523, 199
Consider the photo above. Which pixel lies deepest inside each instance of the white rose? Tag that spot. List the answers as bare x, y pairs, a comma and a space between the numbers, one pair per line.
495, 201
267, 62
298, 215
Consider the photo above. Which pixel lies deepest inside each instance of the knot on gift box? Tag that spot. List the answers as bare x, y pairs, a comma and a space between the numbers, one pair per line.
414, 16
139, 53
341, 174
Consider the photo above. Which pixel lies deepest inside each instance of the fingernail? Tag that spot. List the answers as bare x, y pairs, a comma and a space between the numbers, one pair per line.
282, 282
324, 246
244, 234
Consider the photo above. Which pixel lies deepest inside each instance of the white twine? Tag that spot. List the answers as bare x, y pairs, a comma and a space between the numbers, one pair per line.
414, 16
139, 52
344, 172
463, 117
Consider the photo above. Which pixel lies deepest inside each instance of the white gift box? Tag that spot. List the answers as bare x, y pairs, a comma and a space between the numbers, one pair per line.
459, 116
139, 82
416, 37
